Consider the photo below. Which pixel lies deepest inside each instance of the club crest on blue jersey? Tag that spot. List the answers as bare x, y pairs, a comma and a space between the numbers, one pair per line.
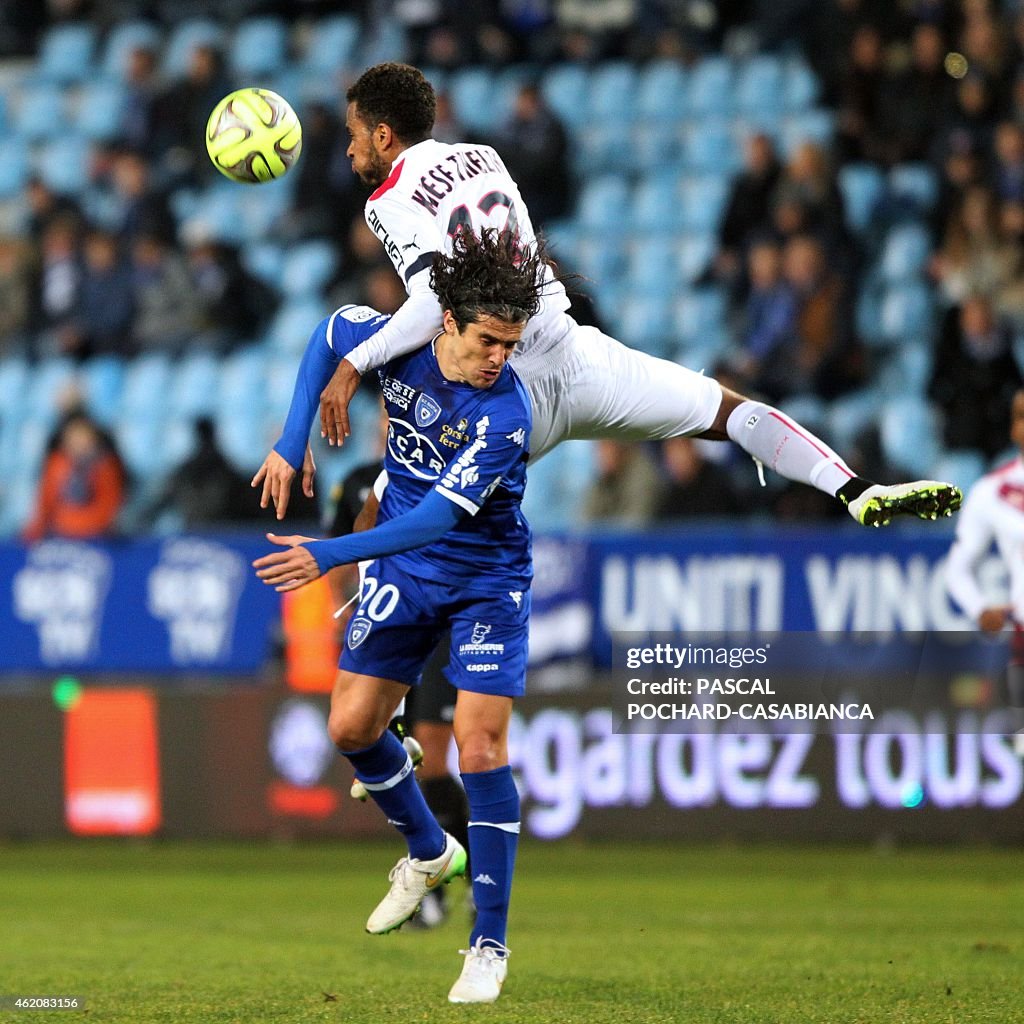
427, 410
358, 631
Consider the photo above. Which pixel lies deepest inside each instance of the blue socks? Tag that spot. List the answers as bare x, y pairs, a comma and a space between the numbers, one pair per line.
386, 771
493, 838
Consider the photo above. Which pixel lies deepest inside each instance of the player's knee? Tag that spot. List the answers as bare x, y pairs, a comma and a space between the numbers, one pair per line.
482, 752
348, 733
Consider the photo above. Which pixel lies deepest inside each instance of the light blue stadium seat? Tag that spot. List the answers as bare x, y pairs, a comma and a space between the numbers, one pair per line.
40, 113
217, 213
28, 438
694, 254
307, 269
600, 258
471, 91
565, 89
17, 501
179, 441
652, 268
258, 47
387, 41
194, 386
66, 53
14, 169
332, 45
610, 100
711, 148
102, 379
963, 468
265, 260
120, 43
916, 185
905, 253
850, 415
48, 381
698, 314
140, 440
184, 38
910, 436
760, 85
907, 369
563, 236
711, 90
146, 384
292, 325
603, 204
610, 298
801, 88
556, 486
907, 312
654, 145
702, 355
507, 85
601, 149
661, 94
14, 381
279, 383
64, 164
862, 187
817, 126
243, 376
245, 437
99, 112
807, 410
260, 209
703, 203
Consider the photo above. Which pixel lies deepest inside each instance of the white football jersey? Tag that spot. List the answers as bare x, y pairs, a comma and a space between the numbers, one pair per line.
435, 190
992, 513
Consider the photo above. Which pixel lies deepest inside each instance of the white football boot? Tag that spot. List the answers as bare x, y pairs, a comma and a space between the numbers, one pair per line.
411, 880
926, 499
483, 973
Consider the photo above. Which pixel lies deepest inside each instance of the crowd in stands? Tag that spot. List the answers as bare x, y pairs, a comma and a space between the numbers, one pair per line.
118, 268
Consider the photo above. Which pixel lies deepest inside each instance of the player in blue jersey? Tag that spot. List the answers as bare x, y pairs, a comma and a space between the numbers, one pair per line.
452, 551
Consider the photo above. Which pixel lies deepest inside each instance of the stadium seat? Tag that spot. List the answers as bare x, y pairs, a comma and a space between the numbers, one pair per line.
40, 113
565, 89
147, 381
602, 204
817, 126
184, 38
258, 47
910, 436
661, 94
102, 379
801, 88
601, 149
140, 440
862, 187
760, 85
245, 437
243, 375
905, 253
291, 327
657, 207
807, 410
711, 88
907, 368
332, 44
916, 185
557, 485
472, 90
599, 258
194, 386
66, 53
653, 270
849, 416
962, 468
659, 145
703, 203
260, 210
265, 260
507, 84
906, 312
279, 382
64, 164
18, 500
698, 314
48, 381
14, 169
307, 269
387, 41
99, 110
694, 254
710, 147
120, 43
610, 100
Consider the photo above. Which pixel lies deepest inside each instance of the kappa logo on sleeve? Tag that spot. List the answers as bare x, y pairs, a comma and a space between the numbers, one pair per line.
427, 410
517, 437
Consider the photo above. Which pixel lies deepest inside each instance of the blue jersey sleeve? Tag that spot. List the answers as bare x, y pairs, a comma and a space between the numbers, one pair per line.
332, 339
498, 446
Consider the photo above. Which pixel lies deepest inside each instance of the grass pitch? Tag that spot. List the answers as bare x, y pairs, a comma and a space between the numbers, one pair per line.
219, 933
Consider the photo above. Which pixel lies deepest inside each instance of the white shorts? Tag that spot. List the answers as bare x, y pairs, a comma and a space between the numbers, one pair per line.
593, 386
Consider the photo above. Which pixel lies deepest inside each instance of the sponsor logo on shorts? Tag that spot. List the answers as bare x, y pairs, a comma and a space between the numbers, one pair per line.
480, 632
482, 668
358, 632
427, 410
477, 645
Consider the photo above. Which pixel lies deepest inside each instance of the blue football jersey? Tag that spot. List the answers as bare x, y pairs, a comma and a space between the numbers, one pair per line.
468, 444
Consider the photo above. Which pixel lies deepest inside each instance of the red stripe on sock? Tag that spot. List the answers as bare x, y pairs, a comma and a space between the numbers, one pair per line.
796, 430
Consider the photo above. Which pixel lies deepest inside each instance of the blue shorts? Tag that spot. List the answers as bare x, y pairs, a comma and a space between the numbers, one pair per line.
400, 619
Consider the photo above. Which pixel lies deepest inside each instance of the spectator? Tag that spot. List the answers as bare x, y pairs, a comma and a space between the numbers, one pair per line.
535, 148
860, 98
107, 305
383, 290
969, 260
748, 211
136, 207
961, 169
83, 483
691, 486
446, 125
973, 113
975, 377
625, 491
1008, 165
15, 296
206, 488
138, 127
1009, 299
58, 288
808, 180
46, 207
164, 297
771, 309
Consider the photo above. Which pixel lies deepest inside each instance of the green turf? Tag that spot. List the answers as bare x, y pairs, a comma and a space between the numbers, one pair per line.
182, 933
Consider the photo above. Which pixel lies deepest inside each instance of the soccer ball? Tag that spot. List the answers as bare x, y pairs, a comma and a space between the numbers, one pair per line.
253, 136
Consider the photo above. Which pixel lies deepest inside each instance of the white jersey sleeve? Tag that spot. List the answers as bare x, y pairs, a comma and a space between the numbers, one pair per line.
974, 537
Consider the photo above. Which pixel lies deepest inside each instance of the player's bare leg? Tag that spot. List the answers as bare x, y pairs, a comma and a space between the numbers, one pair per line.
361, 707
776, 441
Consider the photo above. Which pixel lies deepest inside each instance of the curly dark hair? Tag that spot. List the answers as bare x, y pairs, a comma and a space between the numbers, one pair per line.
396, 95
489, 275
